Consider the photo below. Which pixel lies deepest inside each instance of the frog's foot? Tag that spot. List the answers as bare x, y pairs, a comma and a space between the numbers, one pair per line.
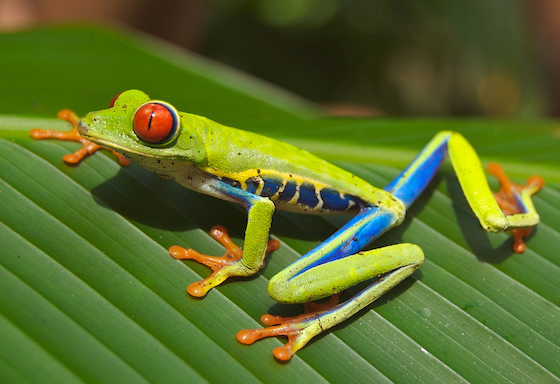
299, 329
88, 147
510, 200
223, 267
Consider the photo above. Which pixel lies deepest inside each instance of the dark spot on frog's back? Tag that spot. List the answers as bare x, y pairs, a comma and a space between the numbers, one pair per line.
232, 182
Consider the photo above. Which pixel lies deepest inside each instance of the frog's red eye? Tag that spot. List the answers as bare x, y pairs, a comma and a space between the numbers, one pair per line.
156, 122
112, 103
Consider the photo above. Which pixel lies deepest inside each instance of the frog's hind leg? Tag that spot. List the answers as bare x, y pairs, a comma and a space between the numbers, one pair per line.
511, 209
337, 263
514, 198
332, 267
388, 266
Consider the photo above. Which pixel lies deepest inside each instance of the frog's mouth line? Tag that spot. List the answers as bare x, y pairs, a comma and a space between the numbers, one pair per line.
83, 130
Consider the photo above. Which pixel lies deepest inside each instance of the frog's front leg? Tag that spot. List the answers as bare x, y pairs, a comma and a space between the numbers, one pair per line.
235, 262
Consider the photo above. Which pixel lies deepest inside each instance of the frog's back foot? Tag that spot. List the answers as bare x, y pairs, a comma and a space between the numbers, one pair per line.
514, 199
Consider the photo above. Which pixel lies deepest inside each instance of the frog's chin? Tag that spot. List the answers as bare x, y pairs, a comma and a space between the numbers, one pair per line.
128, 152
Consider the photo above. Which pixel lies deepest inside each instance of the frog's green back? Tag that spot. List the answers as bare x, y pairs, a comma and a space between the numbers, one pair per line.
247, 157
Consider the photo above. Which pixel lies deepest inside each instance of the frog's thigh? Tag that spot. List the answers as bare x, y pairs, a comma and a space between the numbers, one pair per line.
396, 262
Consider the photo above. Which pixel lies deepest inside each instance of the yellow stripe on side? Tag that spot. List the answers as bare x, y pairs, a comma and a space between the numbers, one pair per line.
245, 175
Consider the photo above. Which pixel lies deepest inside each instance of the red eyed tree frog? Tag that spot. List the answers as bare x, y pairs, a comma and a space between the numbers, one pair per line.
263, 174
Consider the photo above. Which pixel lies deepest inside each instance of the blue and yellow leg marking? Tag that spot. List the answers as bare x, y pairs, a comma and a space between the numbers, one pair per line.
337, 263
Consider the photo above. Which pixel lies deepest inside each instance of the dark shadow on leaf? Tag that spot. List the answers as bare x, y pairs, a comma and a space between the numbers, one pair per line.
146, 199
307, 227
475, 236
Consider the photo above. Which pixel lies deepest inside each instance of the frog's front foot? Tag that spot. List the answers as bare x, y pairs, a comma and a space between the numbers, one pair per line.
510, 199
299, 329
88, 147
223, 267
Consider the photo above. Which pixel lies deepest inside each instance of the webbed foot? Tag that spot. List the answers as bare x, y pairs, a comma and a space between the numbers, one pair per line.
510, 200
299, 329
223, 267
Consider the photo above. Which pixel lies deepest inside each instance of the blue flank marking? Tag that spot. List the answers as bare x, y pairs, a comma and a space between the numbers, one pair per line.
271, 186
307, 195
252, 185
289, 191
332, 200
232, 182
372, 221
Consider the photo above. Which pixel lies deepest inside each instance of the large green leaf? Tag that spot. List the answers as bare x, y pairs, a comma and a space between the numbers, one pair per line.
89, 292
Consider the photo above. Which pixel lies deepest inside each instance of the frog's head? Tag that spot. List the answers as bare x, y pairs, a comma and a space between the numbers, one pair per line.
137, 126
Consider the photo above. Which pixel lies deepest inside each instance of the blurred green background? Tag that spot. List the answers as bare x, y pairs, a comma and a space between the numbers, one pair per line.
356, 57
